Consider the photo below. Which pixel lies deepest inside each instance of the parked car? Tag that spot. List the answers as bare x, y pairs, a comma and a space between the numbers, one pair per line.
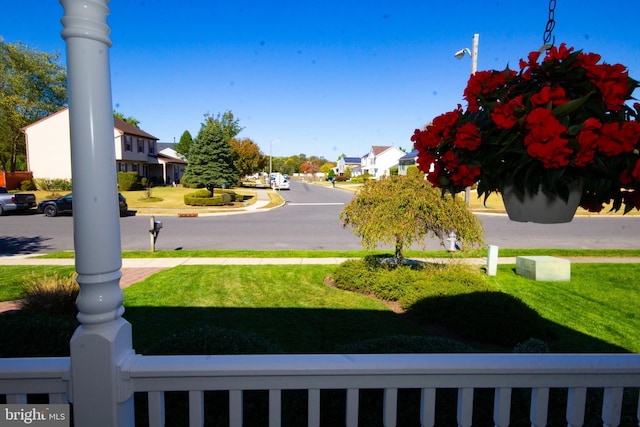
64, 204
16, 201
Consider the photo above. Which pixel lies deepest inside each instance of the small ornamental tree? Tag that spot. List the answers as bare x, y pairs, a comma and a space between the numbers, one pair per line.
402, 210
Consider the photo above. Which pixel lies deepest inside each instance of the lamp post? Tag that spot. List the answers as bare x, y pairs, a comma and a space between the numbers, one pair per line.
473, 53
270, 148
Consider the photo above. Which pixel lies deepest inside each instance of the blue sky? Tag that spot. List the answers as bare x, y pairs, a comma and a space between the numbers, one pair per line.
322, 77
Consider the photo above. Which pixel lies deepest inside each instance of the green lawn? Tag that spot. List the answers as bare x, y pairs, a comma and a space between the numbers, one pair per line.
600, 301
287, 304
597, 311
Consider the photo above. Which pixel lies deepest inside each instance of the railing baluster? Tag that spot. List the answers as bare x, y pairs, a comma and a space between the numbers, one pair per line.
352, 407
235, 408
539, 407
17, 399
275, 408
427, 407
465, 406
156, 408
313, 413
612, 406
196, 408
576, 401
390, 410
502, 407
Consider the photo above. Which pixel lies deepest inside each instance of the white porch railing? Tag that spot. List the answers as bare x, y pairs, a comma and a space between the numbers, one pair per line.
103, 374
428, 373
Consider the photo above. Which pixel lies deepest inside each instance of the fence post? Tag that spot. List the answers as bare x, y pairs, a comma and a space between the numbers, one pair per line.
103, 341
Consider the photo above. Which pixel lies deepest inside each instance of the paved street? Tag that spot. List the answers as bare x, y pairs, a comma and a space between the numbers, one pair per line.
309, 220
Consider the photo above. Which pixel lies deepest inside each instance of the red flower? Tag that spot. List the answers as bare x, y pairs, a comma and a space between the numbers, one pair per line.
558, 53
546, 97
465, 176
612, 80
503, 115
615, 139
544, 140
468, 136
587, 139
484, 83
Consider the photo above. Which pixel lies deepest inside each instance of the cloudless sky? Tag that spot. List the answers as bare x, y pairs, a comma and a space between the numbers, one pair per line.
322, 77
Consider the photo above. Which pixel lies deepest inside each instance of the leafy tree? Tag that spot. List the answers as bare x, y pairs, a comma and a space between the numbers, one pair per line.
33, 85
229, 125
327, 168
248, 158
129, 119
347, 172
401, 210
210, 159
184, 145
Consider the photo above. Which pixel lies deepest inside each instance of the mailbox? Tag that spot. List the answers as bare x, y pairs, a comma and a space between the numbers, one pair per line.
154, 230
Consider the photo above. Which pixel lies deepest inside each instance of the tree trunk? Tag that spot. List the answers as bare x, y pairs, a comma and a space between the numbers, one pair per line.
399, 257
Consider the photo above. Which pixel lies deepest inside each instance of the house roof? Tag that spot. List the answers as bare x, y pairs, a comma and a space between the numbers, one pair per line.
411, 155
120, 125
351, 159
130, 129
377, 149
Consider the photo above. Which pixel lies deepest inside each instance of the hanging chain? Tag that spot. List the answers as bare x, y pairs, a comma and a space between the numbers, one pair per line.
550, 26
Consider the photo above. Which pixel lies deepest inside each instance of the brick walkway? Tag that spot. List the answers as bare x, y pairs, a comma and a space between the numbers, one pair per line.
129, 277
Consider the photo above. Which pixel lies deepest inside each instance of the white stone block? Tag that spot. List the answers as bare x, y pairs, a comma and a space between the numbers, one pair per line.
544, 268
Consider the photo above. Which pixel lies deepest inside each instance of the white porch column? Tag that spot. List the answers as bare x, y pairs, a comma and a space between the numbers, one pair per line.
103, 340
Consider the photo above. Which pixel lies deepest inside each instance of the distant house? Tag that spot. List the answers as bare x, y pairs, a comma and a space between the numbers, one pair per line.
352, 163
380, 160
409, 159
173, 163
49, 150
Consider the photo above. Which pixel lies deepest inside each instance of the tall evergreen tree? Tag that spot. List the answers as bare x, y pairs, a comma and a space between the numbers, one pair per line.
210, 159
184, 145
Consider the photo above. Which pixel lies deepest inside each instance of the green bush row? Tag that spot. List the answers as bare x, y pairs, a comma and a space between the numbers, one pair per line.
203, 197
453, 296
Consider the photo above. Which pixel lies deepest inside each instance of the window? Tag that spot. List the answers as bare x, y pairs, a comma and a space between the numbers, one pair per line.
152, 147
123, 167
134, 167
140, 145
127, 143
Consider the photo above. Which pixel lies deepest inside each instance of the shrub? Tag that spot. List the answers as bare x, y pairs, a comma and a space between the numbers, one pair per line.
532, 345
53, 185
232, 194
214, 340
202, 194
28, 185
52, 295
128, 181
204, 197
488, 316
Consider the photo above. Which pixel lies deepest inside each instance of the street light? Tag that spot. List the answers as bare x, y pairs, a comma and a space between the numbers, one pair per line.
473, 53
270, 147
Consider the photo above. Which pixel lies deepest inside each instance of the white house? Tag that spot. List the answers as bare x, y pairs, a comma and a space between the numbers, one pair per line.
406, 161
49, 150
352, 163
380, 160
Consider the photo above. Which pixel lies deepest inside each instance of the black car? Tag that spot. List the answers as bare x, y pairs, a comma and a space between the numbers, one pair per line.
64, 204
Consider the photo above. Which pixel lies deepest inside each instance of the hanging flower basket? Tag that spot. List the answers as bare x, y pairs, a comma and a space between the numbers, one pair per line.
556, 122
